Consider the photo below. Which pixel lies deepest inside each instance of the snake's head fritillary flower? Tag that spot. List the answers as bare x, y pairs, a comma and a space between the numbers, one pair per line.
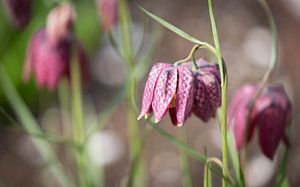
49, 52
238, 111
149, 88
108, 12
48, 63
207, 92
271, 115
19, 12
168, 87
60, 23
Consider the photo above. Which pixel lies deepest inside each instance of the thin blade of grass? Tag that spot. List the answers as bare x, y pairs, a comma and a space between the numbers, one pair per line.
31, 126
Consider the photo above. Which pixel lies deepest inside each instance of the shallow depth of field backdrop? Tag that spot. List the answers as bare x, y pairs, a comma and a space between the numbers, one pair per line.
246, 42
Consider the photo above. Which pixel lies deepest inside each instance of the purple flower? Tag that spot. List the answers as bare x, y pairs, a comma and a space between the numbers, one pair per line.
271, 115
108, 11
181, 90
207, 97
19, 12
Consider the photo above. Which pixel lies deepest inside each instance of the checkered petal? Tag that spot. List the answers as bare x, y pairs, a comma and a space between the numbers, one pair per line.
149, 88
213, 92
184, 94
207, 96
165, 90
272, 113
201, 107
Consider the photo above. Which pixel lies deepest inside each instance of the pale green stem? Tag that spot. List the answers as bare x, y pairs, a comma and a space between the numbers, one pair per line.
78, 123
184, 162
135, 140
31, 126
224, 79
266, 78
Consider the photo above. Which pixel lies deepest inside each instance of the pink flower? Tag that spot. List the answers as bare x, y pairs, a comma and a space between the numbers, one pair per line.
48, 63
175, 88
19, 12
50, 50
108, 11
271, 116
60, 23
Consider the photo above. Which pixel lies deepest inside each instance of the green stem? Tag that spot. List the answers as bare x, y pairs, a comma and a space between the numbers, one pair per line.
78, 123
184, 161
31, 126
135, 140
266, 78
224, 79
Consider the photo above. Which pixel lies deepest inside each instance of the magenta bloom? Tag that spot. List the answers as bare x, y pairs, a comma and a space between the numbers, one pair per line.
179, 90
48, 63
50, 50
270, 116
108, 11
19, 12
51, 63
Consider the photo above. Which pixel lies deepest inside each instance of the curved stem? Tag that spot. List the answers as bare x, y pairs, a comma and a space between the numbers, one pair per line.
194, 49
223, 72
266, 78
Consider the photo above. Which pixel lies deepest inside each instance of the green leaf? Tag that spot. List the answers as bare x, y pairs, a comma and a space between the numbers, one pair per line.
174, 29
234, 157
31, 126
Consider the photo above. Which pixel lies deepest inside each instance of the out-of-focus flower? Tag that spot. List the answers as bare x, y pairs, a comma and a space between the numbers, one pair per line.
50, 50
181, 90
108, 12
271, 115
60, 23
19, 12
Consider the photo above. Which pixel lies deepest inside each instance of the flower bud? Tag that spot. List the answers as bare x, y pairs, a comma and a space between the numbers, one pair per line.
60, 23
19, 12
108, 11
271, 115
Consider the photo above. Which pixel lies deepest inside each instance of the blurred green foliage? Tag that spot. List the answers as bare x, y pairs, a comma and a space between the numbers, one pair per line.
13, 46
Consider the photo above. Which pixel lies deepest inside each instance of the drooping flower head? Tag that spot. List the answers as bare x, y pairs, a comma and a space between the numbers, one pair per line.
271, 116
174, 88
19, 12
60, 23
49, 52
108, 12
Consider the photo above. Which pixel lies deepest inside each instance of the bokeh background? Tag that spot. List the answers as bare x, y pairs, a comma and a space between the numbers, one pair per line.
246, 45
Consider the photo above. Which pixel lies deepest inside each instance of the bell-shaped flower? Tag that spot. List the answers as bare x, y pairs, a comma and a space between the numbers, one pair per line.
207, 83
108, 12
182, 90
49, 52
168, 87
60, 23
19, 12
271, 115
238, 111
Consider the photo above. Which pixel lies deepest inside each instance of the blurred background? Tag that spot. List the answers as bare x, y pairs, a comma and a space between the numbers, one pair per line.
246, 45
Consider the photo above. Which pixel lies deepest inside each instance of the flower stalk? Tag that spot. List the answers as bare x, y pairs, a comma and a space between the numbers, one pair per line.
78, 122
224, 82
